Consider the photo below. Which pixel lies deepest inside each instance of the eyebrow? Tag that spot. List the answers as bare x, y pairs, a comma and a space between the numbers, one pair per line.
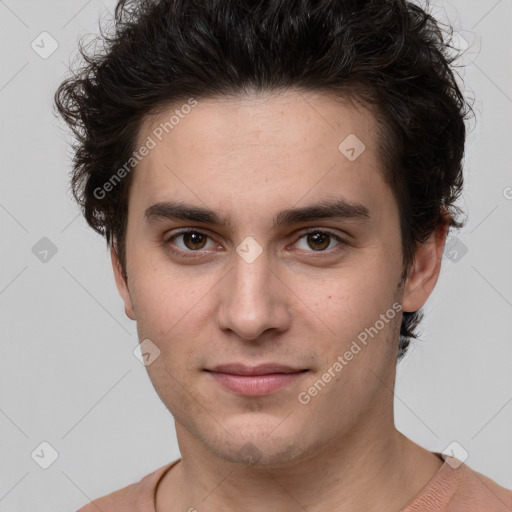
327, 209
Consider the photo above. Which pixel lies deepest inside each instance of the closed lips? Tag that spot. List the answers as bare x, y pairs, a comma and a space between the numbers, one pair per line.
264, 369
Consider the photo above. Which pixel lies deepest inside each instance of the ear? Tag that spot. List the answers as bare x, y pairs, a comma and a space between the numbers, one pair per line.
121, 284
425, 270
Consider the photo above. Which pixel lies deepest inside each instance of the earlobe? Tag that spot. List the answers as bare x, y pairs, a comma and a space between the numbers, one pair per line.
122, 285
425, 270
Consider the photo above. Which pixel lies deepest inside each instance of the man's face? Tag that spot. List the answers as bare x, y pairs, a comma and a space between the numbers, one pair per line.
256, 290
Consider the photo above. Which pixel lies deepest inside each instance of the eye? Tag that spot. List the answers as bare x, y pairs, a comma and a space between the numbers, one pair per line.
192, 241
319, 240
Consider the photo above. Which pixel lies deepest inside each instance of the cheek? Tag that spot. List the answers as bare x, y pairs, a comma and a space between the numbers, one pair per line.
356, 314
161, 292
352, 295
171, 311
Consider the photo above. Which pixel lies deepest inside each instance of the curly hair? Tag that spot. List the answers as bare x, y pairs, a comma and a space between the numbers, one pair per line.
392, 56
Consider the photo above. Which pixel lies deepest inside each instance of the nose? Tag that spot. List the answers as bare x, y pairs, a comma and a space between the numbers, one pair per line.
253, 300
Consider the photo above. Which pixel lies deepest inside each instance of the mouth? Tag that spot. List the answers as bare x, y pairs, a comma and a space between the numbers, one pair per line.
255, 380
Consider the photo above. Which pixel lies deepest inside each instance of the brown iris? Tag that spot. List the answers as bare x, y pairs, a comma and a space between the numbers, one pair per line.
194, 240
322, 239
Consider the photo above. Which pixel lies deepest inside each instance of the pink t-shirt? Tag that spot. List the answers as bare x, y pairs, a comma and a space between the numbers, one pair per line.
454, 488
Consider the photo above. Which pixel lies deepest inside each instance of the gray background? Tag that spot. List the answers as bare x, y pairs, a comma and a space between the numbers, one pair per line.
69, 376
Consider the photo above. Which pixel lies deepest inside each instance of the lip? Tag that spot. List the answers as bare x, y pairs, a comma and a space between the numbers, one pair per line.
258, 380
261, 369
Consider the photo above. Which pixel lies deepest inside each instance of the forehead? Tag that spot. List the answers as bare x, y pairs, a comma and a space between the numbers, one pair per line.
301, 120
286, 147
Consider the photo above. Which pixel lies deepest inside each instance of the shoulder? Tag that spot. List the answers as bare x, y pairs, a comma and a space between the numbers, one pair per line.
136, 497
122, 499
477, 492
458, 488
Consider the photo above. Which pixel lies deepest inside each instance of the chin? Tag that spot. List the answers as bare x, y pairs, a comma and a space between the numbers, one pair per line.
262, 447
255, 455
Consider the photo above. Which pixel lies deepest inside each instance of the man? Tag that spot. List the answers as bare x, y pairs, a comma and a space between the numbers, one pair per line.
276, 181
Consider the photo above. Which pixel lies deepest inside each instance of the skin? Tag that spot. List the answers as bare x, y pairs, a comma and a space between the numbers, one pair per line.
248, 158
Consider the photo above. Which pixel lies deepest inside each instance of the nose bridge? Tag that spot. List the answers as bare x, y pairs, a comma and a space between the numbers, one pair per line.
252, 287
251, 273
251, 303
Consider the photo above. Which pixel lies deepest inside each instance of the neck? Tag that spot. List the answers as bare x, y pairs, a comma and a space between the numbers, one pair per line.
371, 471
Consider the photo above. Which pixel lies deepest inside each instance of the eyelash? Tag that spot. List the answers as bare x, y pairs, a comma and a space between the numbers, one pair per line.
198, 253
